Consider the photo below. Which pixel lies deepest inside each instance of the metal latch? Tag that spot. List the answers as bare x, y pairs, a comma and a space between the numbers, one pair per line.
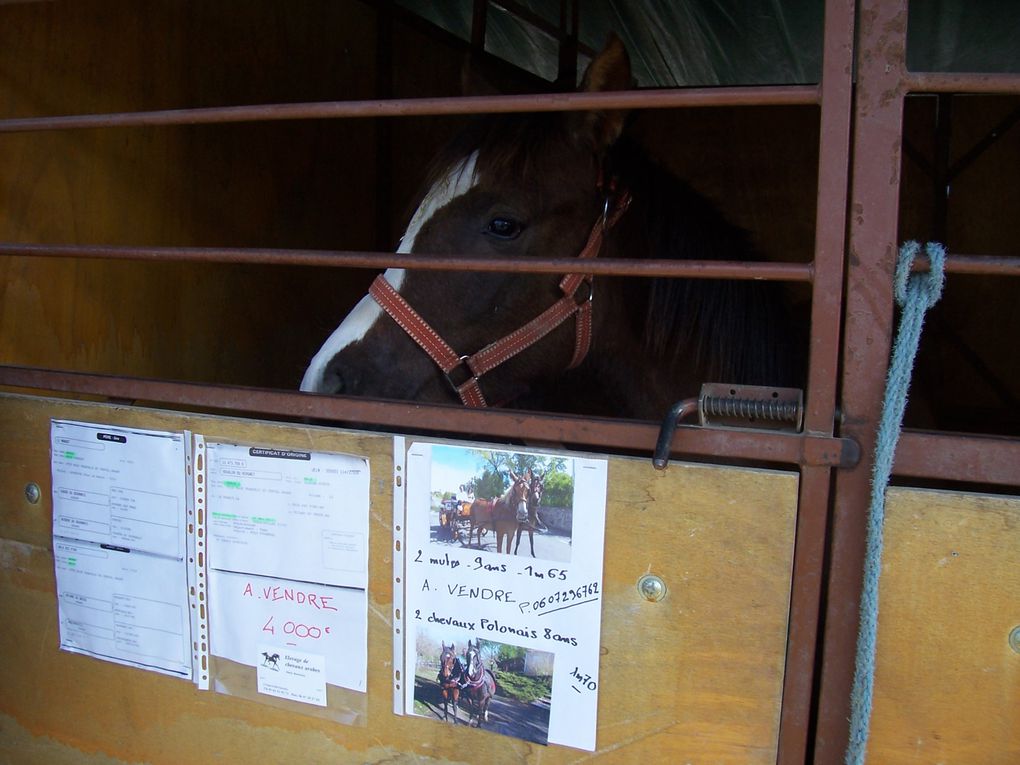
733, 406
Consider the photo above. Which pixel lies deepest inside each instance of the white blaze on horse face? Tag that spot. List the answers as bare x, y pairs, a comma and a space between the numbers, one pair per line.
460, 180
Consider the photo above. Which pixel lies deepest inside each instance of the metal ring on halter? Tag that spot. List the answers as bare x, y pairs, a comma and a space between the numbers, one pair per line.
605, 211
465, 370
590, 297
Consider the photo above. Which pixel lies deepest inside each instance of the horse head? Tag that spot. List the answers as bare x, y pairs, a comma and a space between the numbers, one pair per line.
535, 491
517, 496
474, 660
447, 659
513, 186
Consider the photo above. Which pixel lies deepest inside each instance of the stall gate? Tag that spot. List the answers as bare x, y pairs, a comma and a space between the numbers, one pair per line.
747, 653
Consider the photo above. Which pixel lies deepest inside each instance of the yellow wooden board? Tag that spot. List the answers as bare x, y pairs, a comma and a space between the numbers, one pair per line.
947, 682
696, 677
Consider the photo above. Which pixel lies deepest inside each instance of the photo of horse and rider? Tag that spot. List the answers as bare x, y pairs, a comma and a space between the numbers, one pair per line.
495, 500
498, 687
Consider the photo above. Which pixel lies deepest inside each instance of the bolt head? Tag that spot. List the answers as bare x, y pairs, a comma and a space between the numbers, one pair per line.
33, 493
652, 587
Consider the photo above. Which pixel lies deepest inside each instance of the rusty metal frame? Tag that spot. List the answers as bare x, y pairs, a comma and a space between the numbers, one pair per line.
848, 346
883, 83
815, 452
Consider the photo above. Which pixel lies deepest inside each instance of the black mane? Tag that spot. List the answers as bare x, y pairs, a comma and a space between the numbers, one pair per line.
733, 331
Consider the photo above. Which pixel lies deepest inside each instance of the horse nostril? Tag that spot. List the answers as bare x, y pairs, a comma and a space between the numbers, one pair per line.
334, 381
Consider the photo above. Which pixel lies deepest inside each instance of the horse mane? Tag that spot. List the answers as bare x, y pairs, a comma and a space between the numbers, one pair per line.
733, 331
730, 331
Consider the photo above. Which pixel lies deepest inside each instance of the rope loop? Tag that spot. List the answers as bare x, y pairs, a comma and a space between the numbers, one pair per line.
927, 284
915, 293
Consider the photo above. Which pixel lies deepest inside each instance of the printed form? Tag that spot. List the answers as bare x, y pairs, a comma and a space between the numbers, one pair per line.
120, 544
288, 567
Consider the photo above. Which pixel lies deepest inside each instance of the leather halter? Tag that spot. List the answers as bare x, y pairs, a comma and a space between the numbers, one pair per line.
468, 369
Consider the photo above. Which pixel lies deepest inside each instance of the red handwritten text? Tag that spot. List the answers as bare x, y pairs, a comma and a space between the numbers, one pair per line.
320, 602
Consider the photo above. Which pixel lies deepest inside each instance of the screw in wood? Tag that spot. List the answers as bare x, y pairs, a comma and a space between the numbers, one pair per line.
33, 493
651, 587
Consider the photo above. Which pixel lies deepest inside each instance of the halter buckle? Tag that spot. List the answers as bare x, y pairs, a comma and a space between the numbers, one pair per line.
587, 296
463, 374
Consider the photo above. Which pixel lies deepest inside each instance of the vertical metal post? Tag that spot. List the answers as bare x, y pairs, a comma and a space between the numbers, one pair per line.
874, 213
383, 127
479, 17
836, 90
566, 74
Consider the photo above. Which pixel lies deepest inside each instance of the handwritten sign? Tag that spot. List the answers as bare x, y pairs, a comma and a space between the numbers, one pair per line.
505, 586
288, 563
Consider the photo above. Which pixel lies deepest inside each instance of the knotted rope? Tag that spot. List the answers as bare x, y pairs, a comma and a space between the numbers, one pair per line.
915, 293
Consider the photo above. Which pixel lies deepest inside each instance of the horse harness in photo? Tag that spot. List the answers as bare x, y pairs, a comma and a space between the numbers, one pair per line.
463, 372
474, 682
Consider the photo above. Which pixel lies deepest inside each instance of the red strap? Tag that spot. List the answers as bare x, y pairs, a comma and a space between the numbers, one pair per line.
419, 330
413, 324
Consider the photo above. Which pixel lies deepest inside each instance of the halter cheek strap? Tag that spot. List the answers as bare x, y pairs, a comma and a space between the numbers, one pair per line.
463, 372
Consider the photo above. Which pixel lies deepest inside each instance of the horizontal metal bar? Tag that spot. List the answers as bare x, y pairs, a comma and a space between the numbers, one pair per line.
958, 457
778, 95
987, 265
962, 82
593, 433
691, 269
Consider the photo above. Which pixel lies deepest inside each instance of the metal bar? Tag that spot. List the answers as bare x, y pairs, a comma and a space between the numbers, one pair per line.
836, 90
805, 598
874, 206
960, 82
594, 433
986, 265
955, 457
690, 269
778, 95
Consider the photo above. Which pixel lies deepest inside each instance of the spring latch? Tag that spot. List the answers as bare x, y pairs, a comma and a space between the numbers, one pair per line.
733, 406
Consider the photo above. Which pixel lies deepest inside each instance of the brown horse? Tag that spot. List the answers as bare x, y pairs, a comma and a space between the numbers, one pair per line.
451, 673
570, 184
502, 514
480, 687
535, 492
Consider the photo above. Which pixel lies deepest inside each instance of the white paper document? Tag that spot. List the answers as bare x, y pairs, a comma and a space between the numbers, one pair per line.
503, 590
290, 674
288, 563
120, 500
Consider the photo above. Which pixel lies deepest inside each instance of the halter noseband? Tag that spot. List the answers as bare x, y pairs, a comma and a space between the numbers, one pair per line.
463, 372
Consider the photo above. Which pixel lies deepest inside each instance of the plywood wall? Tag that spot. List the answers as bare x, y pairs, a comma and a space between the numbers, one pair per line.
947, 680
695, 677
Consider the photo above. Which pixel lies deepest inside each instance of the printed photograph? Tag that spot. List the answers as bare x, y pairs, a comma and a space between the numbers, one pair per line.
510, 503
499, 687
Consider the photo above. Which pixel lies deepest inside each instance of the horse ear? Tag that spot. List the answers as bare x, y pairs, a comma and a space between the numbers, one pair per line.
609, 70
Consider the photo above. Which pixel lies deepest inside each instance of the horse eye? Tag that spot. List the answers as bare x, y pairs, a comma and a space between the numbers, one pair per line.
504, 228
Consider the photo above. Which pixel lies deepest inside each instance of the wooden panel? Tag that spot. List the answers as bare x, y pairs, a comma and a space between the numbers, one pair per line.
696, 677
947, 684
295, 184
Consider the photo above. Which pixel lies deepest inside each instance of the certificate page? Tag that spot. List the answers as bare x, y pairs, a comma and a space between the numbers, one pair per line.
288, 566
503, 590
119, 544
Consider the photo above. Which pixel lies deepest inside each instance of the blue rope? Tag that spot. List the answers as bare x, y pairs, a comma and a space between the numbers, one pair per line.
915, 293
